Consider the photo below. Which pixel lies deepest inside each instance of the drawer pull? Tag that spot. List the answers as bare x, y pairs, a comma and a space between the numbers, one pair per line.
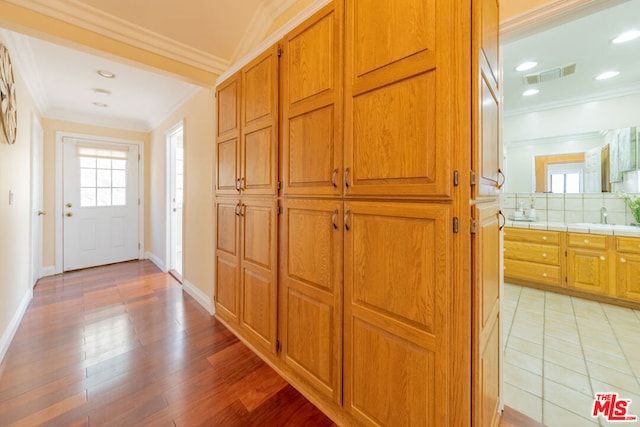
544, 274
544, 255
623, 260
544, 237
602, 258
586, 241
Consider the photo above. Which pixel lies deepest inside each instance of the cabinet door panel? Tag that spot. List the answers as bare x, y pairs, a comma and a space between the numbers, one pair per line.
311, 82
397, 277
588, 271
258, 271
227, 289
398, 128
486, 308
259, 148
227, 147
628, 277
311, 293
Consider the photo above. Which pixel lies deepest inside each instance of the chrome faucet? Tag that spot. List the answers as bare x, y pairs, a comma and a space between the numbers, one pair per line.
603, 215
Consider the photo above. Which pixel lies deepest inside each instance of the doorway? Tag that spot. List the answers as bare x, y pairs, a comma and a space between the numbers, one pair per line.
175, 179
98, 211
37, 211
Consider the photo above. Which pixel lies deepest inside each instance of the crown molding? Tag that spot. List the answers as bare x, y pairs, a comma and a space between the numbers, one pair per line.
276, 8
94, 120
556, 139
25, 65
89, 18
274, 38
258, 27
600, 96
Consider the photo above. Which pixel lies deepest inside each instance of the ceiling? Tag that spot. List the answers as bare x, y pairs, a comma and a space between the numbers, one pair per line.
209, 34
586, 42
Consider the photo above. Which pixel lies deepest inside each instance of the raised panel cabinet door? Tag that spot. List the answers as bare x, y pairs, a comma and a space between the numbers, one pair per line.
259, 146
311, 87
404, 94
227, 152
487, 153
311, 293
259, 272
486, 315
397, 313
588, 271
628, 277
227, 258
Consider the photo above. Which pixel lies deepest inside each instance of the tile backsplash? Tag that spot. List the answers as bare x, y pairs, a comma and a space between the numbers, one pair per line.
570, 208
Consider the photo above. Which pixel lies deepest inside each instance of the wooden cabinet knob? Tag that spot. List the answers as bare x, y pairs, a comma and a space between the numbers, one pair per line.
602, 258
623, 260
544, 237
544, 274
586, 241
544, 255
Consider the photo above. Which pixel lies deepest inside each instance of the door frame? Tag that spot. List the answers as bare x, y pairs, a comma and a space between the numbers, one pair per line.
168, 238
37, 131
60, 135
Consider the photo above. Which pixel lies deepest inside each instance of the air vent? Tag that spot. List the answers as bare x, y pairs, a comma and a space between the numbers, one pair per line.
549, 75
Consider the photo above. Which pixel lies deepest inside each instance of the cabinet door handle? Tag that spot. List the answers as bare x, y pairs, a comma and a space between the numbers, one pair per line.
243, 184
603, 258
238, 185
334, 176
237, 209
623, 260
346, 220
334, 217
504, 220
346, 177
504, 179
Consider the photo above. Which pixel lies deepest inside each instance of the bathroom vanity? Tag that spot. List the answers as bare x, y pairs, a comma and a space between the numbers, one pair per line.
600, 262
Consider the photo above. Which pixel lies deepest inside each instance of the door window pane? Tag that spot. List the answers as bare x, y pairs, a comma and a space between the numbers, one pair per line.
103, 182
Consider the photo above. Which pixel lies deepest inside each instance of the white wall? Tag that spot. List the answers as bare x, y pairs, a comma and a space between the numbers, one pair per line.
15, 219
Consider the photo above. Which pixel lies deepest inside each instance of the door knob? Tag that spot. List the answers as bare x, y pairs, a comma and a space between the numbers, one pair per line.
41, 213
69, 214
68, 205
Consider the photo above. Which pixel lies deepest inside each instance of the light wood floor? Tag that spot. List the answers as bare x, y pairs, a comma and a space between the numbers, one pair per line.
122, 345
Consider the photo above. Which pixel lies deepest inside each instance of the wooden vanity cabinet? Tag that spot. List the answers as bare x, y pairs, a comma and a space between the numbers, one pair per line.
533, 255
628, 268
588, 263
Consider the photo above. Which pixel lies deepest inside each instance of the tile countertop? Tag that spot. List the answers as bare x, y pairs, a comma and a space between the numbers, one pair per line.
608, 229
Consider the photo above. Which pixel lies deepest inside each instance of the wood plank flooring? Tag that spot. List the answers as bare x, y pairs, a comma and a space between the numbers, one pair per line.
122, 345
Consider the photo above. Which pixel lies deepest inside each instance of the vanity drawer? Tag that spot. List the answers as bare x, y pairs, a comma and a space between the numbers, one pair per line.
532, 252
587, 241
628, 244
532, 236
539, 273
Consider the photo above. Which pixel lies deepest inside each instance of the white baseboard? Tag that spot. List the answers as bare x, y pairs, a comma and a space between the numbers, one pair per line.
202, 298
49, 271
12, 328
156, 260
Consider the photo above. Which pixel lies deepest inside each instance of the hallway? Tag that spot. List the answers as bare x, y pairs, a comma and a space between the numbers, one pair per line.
123, 345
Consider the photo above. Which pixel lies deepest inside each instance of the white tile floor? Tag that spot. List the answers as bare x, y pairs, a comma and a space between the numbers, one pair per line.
561, 350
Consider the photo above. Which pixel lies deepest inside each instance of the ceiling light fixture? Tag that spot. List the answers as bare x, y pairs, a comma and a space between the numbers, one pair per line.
102, 92
626, 37
100, 104
106, 74
607, 75
530, 92
526, 66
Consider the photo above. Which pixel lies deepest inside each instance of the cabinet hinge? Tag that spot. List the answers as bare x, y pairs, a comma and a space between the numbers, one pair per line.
566, 253
456, 178
279, 185
455, 224
138, 201
473, 226
138, 246
566, 279
138, 157
279, 52
278, 210
473, 178
278, 347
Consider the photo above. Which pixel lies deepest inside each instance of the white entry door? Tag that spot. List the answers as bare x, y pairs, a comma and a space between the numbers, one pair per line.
176, 190
36, 199
100, 205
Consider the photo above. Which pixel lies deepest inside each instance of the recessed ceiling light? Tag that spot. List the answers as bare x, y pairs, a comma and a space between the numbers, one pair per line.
100, 104
607, 75
526, 66
626, 37
106, 74
530, 92
102, 92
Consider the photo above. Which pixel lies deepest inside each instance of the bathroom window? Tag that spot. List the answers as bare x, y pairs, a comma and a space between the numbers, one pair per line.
565, 177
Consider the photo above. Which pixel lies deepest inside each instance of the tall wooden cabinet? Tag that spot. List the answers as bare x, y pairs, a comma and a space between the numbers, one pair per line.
369, 312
